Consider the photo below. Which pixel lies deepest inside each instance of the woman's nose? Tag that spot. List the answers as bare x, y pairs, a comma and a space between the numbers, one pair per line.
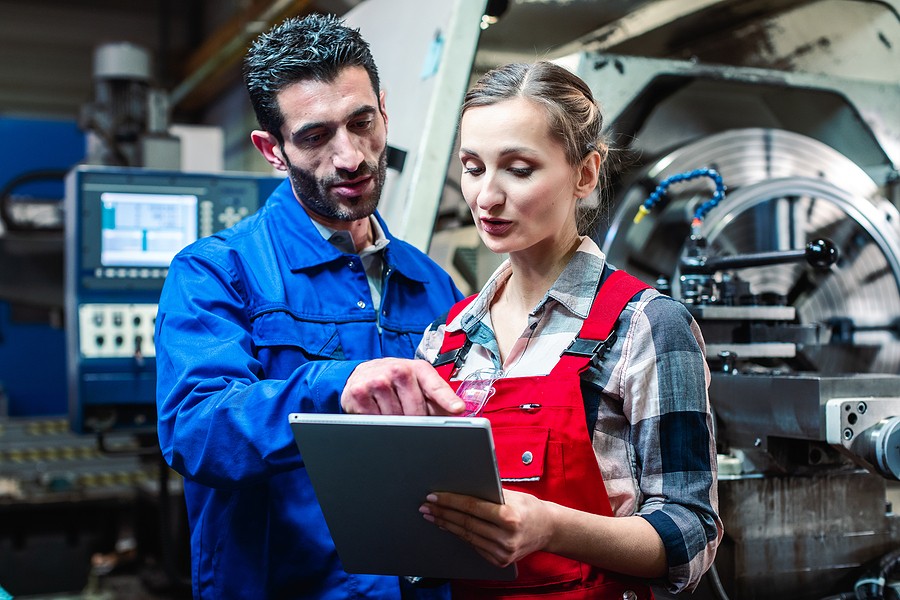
490, 194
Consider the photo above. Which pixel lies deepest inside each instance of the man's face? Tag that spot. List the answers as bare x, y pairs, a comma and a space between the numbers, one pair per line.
315, 194
335, 145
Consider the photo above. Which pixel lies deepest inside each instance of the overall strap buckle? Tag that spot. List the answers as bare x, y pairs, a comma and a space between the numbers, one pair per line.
457, 357
593, 348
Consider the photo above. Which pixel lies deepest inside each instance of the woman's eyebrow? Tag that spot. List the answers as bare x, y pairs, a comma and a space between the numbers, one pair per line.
504, 152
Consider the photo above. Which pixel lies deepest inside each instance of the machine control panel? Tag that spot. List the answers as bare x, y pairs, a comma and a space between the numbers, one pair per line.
117, 330
123, 227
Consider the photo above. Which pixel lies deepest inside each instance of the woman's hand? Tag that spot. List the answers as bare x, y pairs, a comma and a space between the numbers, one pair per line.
502, 533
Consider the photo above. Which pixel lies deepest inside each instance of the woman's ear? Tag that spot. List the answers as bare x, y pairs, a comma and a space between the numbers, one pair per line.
269, 147
588, 174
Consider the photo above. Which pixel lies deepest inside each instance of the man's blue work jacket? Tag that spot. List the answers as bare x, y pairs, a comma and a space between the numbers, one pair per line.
254, 323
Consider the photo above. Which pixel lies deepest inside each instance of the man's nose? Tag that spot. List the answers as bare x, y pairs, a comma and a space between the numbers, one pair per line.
347, 154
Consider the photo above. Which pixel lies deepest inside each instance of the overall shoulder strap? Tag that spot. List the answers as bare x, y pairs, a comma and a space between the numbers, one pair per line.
597, 333
456, 345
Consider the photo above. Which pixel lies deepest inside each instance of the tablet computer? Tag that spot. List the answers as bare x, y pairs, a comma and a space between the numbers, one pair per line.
371, 474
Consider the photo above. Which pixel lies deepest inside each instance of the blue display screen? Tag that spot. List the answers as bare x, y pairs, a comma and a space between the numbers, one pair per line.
145, 230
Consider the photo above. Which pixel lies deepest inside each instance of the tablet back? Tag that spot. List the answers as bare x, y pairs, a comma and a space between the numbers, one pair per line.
372, 473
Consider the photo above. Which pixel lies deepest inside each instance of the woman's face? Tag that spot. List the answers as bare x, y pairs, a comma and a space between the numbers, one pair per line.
516, 179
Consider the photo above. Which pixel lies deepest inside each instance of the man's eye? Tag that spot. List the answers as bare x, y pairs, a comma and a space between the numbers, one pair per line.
312, 140
363, 124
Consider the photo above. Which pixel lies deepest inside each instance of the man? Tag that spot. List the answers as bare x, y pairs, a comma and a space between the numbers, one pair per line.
273, 315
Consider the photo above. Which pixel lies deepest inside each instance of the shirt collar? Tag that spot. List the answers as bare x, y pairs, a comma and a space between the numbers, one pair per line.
301, 241
343, 241
575, 288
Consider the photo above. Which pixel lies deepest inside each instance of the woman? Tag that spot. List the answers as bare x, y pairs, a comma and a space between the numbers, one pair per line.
606, 450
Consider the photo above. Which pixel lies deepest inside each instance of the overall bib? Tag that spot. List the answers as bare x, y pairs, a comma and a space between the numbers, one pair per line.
544, 448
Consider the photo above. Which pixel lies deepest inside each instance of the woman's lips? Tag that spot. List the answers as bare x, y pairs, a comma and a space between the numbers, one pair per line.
495, 226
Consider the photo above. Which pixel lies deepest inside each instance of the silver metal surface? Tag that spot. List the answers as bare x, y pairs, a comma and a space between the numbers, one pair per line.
804, 537
622, 83
758, 406
868, 428
757, 313
763, 350
879, 444
783, 189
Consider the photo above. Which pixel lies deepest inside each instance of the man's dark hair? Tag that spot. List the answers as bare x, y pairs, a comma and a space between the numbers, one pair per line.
316, 47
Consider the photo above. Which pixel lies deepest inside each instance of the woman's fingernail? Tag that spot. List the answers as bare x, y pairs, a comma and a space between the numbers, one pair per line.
429, 518
431, 497
424, 510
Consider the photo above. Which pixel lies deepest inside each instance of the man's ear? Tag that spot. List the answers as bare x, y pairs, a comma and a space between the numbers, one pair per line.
269, 147
381, 107
588, 175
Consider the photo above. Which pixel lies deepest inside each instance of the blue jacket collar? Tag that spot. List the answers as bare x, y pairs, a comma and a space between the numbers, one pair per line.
304, 247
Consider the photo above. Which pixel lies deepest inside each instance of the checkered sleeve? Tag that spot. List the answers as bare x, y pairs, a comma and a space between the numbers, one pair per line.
664, 385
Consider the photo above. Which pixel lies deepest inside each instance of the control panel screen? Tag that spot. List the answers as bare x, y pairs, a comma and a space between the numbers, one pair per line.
145, 230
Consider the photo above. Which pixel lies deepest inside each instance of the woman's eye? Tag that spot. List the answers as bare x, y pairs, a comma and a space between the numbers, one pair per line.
472, 170
521, 171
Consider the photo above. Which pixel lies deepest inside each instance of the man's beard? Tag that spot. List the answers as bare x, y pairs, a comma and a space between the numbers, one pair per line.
314, 192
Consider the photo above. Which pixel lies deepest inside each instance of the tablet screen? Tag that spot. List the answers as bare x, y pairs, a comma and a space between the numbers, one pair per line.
372, 473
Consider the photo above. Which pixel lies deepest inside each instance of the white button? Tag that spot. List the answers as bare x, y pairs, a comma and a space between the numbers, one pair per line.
527, 457
351, 264
629, 595
361, 304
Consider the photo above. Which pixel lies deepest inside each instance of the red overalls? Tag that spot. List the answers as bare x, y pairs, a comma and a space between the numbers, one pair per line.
544, 449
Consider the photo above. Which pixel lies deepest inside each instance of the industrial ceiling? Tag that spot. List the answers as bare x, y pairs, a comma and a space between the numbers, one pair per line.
47, 46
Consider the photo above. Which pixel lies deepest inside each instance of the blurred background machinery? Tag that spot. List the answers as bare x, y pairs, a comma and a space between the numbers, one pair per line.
804, 343
88, 229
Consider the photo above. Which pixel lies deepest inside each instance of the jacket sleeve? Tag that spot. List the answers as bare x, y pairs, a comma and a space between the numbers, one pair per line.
666, 380
221, 422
